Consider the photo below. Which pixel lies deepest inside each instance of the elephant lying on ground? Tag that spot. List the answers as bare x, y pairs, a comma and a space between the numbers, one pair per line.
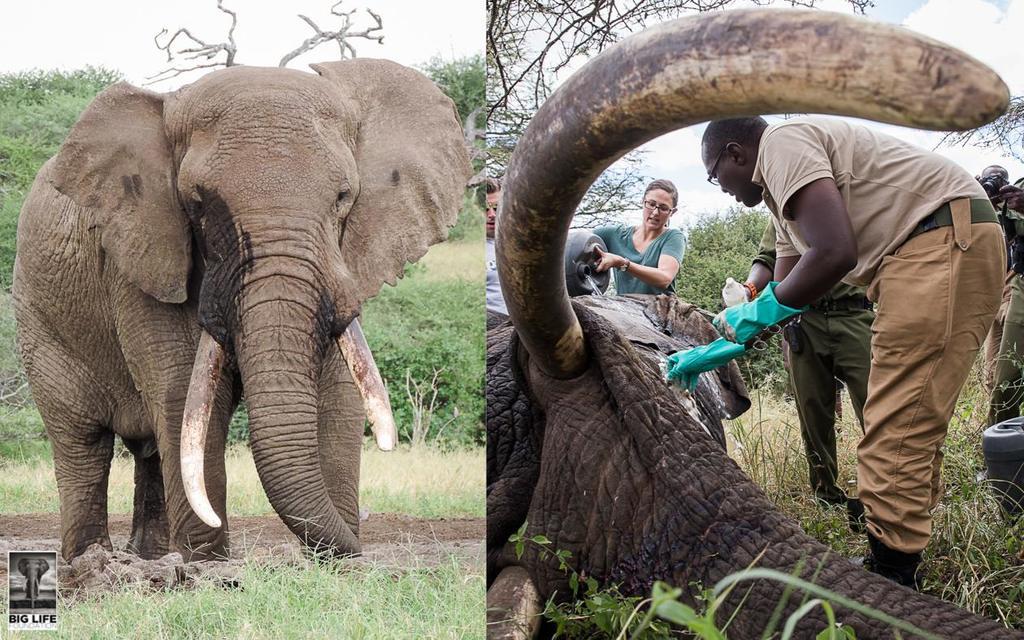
596, 453
230, 229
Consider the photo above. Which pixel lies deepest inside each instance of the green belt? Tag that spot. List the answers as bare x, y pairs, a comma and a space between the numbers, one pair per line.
981, 211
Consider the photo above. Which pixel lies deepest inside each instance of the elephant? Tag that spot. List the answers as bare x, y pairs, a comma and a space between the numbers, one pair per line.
591, 449
184, 248
33, 569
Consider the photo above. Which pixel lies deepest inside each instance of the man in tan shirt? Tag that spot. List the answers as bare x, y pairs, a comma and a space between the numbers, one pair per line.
850, 203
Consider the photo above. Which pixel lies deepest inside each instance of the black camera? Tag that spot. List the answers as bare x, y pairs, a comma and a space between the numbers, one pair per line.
992, 184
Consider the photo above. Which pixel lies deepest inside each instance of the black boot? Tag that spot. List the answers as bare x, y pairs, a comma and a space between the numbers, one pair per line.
897, 566
855, 514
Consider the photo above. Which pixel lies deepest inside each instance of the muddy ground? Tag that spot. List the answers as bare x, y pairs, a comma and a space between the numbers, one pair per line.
391, 540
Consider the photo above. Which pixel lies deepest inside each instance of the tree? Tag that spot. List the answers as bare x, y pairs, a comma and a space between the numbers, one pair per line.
198, 50
463, 81
1005, 133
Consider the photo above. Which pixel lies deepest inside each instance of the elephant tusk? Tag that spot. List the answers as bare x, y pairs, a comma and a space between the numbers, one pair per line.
716, 65
202, 391
367, 377
514, 606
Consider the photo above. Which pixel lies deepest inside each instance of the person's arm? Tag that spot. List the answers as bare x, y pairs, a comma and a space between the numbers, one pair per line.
761, 267
1013, 196
660, 276
820, 216
759, 276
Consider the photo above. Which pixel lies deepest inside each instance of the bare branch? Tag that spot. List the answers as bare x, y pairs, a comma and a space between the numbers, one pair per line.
342, 36
202, 49
1005, 133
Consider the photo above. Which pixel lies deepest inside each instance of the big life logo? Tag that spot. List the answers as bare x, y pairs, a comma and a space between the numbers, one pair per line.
32, 590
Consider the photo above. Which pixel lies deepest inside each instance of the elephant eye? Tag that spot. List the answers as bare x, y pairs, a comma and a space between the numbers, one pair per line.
342, 196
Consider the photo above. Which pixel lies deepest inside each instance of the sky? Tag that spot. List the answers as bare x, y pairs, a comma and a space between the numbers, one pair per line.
118, 34
989, 30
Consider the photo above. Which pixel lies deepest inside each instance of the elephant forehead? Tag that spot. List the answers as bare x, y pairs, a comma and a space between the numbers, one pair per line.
261, 96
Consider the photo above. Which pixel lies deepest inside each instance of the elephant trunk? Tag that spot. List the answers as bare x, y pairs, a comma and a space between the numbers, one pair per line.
686, 71
280, 345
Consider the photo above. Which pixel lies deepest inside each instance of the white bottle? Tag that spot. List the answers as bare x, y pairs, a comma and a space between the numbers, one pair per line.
733, 293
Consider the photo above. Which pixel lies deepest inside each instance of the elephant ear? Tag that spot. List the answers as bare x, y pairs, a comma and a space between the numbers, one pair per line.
412, 163
23, 566
46, 567
118, 161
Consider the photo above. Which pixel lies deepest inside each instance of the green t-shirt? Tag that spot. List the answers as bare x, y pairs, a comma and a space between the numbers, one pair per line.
619, 240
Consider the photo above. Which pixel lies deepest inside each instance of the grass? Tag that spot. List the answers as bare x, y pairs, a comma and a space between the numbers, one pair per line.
424, 482
325, 600
975, 558
455, 260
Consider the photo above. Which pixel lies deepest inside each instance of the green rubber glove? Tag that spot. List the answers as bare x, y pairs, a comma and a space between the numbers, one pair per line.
685, 367
744, 322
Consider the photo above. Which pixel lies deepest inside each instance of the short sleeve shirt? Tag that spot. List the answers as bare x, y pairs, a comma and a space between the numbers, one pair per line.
619, 240
887, 185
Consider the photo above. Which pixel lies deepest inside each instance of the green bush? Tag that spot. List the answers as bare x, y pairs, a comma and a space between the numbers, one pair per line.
421, 327
470, 223
719, 247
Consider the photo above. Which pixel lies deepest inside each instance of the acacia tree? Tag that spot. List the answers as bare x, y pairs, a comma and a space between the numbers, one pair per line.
531, 42
183, 46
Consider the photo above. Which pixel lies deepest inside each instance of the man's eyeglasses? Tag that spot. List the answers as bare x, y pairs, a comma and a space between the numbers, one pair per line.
713, 174
651, 205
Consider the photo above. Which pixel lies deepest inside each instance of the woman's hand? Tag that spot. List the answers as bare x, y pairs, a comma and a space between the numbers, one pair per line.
606, 260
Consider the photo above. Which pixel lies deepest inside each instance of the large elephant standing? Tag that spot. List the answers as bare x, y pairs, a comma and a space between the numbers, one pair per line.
250, 213
33, 569
594, 451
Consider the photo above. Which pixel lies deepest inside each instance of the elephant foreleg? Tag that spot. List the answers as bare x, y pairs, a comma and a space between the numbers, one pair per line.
150, 532
82, 466
189, 535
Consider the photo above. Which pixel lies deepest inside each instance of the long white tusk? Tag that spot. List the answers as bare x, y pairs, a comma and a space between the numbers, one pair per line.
202, 390
375, 397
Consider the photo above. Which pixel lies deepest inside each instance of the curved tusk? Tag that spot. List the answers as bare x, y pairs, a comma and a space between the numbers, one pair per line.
367, 377
716, 65
202, 390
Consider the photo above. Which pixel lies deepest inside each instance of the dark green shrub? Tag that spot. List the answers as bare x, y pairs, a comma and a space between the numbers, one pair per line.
421, 327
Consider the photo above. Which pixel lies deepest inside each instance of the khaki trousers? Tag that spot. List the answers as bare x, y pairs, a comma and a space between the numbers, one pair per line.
937, 296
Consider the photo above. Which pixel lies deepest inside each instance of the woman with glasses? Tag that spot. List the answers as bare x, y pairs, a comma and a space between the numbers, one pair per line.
645, 257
